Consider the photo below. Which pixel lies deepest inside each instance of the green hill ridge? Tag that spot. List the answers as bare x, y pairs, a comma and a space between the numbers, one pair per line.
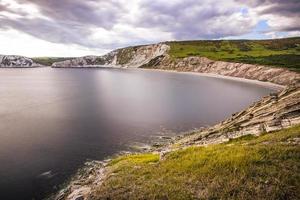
277, 52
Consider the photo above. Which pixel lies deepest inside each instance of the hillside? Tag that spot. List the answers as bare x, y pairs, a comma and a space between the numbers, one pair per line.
278, 52
250, 167
226, 58
265, 167
283, 53
48, 61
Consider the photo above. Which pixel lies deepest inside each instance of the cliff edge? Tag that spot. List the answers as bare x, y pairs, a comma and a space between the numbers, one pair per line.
157, 56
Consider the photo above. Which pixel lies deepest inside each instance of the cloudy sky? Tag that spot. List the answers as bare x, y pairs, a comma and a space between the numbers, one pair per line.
93, 27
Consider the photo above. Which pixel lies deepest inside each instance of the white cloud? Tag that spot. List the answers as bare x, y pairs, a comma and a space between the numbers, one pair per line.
72, 28
17, 43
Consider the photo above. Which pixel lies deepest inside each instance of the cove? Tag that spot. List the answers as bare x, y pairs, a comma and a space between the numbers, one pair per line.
53, 120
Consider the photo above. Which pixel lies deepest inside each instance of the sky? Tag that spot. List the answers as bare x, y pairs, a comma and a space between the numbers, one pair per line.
67, 28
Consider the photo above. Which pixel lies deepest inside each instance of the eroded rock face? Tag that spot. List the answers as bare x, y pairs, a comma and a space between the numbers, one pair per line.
272, 113
204, 65
142, 55
17, 61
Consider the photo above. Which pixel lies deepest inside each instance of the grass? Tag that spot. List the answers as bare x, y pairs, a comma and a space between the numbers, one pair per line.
265, 167
279, 52
48, 61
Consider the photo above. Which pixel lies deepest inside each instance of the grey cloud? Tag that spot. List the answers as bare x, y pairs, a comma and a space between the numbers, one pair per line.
67, 21
49, 31
78, 11
3, 8
192, 19
279, 8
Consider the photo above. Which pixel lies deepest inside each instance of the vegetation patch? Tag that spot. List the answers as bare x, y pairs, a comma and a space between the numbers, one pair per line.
48, 61
280, 52
125, 55
265, 167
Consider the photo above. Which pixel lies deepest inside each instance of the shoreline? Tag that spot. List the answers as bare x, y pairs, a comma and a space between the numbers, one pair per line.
270, 85
94, 172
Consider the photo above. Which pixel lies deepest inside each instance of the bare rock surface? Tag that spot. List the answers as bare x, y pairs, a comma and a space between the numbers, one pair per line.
81, 185
272, 113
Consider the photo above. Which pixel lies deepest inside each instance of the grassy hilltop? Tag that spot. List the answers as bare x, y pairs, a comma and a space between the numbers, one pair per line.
277, 52
264, 167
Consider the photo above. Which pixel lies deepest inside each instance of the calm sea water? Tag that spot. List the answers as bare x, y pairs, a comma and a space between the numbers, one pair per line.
53, 120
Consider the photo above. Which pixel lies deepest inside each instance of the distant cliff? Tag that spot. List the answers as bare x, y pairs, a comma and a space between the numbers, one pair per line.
17, 61
130, 57
157, 56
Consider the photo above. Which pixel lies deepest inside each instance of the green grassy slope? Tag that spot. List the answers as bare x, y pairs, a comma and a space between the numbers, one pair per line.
279, 52
265, 167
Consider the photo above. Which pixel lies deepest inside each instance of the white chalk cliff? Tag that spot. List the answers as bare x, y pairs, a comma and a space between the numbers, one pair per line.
130, 57
17, 61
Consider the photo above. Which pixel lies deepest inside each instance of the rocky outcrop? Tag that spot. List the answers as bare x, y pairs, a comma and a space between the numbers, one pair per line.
17, 61
272, 113
138, 56
130, 57
81, 185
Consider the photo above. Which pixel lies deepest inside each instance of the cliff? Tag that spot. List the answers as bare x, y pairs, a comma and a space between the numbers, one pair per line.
17, 61
204, 65
158, 56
